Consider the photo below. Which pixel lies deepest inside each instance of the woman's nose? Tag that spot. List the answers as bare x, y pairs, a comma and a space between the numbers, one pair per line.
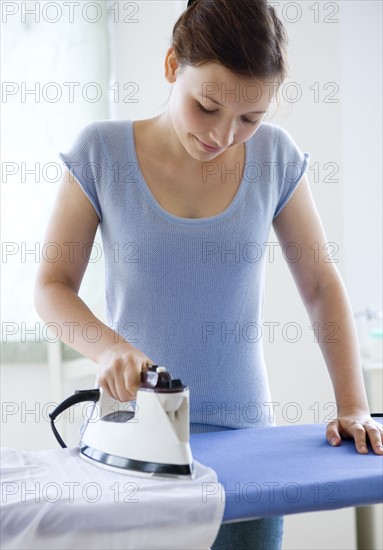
223, 134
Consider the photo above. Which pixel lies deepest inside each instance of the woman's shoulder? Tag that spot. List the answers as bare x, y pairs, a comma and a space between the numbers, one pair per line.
102, 140
116, 131
275, 136
108, 126
101, 131
269, 129
113, 136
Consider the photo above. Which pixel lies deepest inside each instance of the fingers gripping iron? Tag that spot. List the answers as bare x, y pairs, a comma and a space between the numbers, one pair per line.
147, 437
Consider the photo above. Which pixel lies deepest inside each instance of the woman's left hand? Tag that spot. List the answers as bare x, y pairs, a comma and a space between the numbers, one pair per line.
358, 426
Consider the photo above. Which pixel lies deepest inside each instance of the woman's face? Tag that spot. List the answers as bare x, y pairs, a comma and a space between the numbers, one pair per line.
212, 109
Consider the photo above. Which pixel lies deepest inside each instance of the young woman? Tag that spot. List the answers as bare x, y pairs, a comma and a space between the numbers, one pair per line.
185, 202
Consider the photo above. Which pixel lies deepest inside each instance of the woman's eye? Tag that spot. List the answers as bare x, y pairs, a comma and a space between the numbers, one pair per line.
245, 120
203, 108
252, 122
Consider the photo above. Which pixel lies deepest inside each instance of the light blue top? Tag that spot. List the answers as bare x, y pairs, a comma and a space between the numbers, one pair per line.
189, 292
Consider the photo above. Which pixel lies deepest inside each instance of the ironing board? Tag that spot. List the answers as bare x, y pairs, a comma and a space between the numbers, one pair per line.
248, 474
287, 470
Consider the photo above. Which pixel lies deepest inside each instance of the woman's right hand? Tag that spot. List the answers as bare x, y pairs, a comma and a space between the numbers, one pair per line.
119, 370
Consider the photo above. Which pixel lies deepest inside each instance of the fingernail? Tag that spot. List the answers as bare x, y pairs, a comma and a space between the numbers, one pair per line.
334, 441
363, 449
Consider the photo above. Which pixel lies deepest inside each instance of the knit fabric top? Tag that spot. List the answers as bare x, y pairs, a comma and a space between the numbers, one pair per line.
189, 292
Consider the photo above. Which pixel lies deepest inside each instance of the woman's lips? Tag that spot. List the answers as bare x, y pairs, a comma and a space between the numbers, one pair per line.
208, 147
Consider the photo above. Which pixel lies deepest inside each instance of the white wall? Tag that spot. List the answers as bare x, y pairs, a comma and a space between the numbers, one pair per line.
27, 397
138, 47
361, 73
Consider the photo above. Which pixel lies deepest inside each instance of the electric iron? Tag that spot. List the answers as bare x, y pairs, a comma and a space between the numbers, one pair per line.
146, 437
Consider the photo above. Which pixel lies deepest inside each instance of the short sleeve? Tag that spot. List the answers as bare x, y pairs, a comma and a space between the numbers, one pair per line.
87, 162
292, 165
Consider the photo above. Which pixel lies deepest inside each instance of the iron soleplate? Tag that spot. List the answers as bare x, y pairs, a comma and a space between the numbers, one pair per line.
138, 468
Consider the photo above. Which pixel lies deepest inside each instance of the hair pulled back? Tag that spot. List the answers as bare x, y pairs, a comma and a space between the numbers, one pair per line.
245, 36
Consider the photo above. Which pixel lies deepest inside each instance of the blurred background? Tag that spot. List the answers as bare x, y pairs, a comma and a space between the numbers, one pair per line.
66, 64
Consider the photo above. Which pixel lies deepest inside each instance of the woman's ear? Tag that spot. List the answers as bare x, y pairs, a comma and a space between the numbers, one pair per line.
171, 66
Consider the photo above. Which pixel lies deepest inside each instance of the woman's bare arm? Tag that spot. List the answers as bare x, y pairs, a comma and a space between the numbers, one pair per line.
326, 301
72, 227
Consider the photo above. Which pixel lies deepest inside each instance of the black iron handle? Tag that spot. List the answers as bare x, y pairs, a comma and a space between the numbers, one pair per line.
78, 397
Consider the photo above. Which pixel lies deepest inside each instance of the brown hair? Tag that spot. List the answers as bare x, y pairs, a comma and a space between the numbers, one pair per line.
245, 36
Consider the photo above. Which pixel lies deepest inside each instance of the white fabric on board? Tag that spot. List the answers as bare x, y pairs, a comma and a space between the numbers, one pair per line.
54, 499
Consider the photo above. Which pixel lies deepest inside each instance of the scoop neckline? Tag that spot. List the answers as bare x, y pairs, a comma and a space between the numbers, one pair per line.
178, 219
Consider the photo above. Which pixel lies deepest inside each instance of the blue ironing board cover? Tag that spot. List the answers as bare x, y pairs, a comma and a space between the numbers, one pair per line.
287, 470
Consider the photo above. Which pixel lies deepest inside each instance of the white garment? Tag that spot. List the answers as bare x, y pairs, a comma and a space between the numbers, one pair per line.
54, 499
